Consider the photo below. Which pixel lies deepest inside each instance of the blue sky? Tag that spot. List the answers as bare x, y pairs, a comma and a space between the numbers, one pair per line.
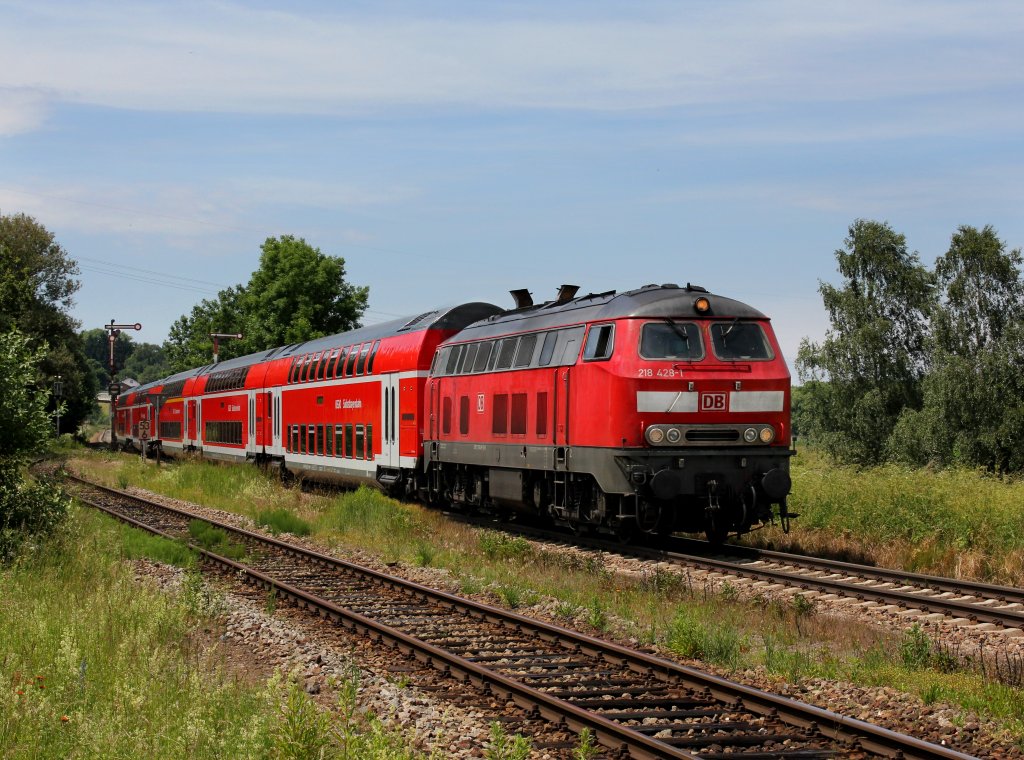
453, 151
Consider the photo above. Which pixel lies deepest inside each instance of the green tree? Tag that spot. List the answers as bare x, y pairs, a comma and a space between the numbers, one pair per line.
37, 284
188, 343
870, 366
25, 509
973, 398
298, 293
147, 362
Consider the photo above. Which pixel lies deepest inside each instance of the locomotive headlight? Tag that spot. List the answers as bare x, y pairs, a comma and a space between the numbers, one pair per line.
767, 434
655, 435
750, 435
702, 305
673, 435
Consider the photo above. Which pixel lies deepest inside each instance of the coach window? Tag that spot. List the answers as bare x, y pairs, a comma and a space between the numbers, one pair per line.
304, 373
548, 349
329, 451
518, 414
339, 367
524, 354
311, 433
339, 440
464, 415
482, 355
320, 440
369, 441
499, 423
362, 358
329, 367
506, 352
348, 440
360, 440
352, 355
302, 439
446, 416
740, 341
600, 342
373, 355
293, 370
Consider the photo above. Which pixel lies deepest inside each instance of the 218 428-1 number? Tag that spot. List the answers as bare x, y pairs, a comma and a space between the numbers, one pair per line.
650, 372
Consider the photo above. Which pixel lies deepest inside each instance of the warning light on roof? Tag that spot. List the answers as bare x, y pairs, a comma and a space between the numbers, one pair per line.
702, 305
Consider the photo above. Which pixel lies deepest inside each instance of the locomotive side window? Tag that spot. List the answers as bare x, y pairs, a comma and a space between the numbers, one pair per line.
483, 354
542, 414
548, 349
671, 340
434, 362
506, 352
518, 414
464, 415
453, 360
600, 342
740, 341
524, 355
499, 424
468, 358
446, 416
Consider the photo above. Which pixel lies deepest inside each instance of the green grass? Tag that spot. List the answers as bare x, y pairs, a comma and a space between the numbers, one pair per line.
95, 664
664, 608
280, 520
952, 522
215, 539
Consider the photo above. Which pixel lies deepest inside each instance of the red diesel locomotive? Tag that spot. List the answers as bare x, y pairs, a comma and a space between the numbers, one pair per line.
660, 409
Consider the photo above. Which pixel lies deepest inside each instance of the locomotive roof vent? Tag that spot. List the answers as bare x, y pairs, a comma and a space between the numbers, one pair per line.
566, 293
522, 297
669, 286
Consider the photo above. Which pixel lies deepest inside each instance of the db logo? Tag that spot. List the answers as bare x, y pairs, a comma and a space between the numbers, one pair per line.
712, 402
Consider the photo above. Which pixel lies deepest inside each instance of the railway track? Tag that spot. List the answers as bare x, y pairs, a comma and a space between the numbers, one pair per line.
637, 705
959, 602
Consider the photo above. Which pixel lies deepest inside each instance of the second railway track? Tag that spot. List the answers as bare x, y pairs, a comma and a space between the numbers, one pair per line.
637, 705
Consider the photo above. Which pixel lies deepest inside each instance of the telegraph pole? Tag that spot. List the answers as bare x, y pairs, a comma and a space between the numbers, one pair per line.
113, 330
58, 391
216, 342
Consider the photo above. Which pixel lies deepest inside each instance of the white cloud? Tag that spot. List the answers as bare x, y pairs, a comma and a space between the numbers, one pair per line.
225, 56
21, 110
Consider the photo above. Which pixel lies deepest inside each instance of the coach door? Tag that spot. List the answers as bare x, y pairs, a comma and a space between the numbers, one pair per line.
275, 421
190, 423
389, 450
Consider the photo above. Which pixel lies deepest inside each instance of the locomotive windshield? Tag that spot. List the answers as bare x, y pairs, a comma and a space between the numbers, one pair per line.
740, 340
671, 340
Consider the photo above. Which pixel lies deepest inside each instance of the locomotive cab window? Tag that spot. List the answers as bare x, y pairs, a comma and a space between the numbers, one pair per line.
671, 340
483, 354
600, 343
740, 341
524, 354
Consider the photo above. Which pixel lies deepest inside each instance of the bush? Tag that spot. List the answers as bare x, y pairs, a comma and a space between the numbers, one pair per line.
28, 511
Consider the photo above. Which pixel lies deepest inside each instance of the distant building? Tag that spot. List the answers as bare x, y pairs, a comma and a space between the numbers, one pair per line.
103, 397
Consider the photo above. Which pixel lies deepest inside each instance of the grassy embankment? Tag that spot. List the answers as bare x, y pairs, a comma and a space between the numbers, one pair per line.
93, 665
957, 523
790, 641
